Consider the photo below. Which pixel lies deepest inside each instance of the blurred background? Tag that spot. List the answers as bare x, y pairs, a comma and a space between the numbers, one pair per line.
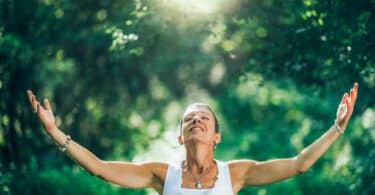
119, 74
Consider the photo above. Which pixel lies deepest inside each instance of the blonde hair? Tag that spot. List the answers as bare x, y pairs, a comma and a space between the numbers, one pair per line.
199, 104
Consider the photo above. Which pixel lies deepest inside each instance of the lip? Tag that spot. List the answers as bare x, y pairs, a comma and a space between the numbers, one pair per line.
196, 128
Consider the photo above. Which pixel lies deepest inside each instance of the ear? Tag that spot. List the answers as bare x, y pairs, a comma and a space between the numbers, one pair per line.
180, 140
217, 138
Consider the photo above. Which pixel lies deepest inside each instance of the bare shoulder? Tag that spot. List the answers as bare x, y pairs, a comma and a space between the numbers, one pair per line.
239, 165
159, 169
238, 170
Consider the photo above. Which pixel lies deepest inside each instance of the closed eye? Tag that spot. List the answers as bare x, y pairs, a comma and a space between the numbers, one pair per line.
189, 118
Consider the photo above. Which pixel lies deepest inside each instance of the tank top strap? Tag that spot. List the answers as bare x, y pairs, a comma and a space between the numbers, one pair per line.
223, 185
173, 179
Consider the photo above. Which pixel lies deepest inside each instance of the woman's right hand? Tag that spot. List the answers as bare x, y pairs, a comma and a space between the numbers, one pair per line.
44, 111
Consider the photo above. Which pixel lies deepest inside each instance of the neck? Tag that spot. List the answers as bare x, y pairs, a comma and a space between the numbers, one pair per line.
199, 158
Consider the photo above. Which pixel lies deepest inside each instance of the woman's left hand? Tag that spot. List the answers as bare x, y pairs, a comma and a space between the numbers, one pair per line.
346, 107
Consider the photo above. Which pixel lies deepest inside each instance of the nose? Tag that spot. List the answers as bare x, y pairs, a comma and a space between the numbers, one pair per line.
196, 119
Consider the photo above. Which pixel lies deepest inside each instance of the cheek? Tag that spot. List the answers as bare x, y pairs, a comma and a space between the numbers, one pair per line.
183, 128
212, 125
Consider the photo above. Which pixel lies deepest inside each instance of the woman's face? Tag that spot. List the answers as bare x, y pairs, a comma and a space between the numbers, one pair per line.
198, 125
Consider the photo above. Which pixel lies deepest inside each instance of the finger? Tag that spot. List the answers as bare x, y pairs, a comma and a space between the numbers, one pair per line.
348, 102
37, 108
344, 97
29, 95
355, 91
34, 102
46, 104
31, 100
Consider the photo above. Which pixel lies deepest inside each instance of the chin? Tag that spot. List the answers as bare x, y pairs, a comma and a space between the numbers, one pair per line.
196, 138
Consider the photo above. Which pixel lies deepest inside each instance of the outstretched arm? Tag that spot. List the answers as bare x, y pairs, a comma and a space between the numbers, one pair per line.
121, 173
261, 173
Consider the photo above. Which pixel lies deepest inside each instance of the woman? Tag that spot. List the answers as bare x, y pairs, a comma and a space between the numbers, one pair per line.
199, 174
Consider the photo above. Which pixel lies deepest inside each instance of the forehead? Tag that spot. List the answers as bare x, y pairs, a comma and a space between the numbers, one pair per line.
197, 109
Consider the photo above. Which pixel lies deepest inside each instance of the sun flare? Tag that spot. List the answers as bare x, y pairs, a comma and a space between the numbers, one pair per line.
192, 7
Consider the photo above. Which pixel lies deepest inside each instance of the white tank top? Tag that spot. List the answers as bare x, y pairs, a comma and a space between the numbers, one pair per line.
173, 182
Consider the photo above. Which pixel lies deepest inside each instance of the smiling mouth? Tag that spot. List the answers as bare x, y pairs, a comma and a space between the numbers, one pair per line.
196, 128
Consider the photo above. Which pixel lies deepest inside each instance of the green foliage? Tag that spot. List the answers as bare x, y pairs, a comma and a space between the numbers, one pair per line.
63, 181
119, 74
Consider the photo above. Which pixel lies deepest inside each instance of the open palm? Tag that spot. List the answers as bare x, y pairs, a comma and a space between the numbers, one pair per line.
44, 111
346, 106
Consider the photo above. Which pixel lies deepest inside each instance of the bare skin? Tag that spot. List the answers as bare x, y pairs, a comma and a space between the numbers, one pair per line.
199, 137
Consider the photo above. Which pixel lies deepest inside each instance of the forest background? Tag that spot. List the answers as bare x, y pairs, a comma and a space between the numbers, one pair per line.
119, 74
